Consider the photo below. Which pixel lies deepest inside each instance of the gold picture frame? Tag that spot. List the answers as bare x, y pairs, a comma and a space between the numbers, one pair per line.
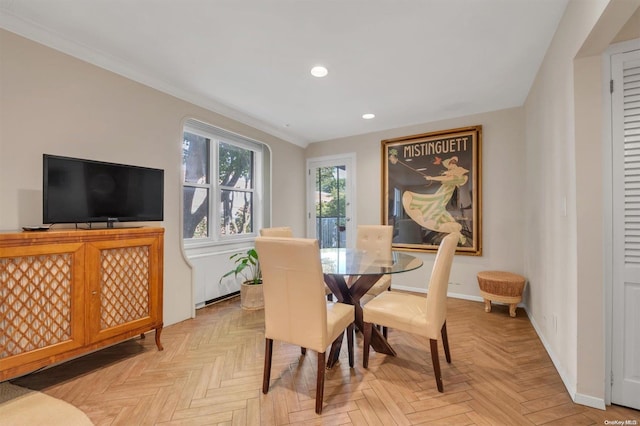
431, 187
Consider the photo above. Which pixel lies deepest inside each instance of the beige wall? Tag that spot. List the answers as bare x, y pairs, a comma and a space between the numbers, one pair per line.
565, 254
550, 162
53, 103
502, 193
631, 29
592, 245
589, 241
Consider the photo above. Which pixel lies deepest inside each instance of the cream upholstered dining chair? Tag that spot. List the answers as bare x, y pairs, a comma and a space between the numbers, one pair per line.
375, 240
295, 308
280, 231
286, 232
415, 314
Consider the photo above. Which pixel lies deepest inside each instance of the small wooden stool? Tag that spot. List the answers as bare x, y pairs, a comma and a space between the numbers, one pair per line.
500, 286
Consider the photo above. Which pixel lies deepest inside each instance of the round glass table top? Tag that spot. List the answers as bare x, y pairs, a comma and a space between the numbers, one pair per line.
346, 261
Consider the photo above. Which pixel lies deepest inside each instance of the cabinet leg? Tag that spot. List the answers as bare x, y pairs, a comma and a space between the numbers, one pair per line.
158, 344
487, 305
512, 309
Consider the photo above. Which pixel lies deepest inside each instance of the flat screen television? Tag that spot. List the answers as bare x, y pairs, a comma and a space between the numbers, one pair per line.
75, 190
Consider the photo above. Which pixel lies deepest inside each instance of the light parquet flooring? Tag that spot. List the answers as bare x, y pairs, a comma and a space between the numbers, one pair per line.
210, 372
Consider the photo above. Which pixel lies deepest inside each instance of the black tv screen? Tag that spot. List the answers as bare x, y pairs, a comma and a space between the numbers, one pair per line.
84, 191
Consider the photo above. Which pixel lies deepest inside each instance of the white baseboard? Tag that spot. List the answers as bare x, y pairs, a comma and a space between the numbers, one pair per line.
465, 297
578, 398
449, 294
590, 401
411, 289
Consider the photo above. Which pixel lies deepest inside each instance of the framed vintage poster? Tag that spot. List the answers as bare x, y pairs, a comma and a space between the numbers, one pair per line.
432, 187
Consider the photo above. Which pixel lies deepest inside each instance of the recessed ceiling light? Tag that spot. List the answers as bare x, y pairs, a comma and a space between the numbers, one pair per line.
368, 116
319, 71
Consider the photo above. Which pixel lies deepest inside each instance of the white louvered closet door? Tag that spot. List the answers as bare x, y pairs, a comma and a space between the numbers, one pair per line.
625, 354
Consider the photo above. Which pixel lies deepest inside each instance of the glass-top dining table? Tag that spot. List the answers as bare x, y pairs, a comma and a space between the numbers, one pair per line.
340, 263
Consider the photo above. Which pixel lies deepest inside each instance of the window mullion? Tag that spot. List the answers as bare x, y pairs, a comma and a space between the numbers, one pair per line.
231, 188
197, 185
214, 171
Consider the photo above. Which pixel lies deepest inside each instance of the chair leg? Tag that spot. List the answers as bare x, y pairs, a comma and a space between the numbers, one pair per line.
368, 329
445, 342
436, 364
266, 376
303, 351
320, 382
350, 333
385, 329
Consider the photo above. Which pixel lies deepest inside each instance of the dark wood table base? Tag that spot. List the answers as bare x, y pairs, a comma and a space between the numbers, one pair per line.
351, 296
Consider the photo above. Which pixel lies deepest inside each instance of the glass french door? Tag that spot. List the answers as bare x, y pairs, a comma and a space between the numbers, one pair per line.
329, 206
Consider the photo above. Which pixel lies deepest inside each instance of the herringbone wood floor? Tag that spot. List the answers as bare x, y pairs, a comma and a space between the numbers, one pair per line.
211, 373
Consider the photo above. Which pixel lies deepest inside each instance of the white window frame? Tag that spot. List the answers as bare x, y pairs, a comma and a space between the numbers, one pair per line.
261, 205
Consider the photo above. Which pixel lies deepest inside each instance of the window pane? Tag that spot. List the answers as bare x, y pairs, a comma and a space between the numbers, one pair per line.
236, 212
195, 158
236, 166
196, 212
330, 206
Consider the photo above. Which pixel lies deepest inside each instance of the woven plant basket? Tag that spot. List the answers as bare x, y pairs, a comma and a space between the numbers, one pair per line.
251, 297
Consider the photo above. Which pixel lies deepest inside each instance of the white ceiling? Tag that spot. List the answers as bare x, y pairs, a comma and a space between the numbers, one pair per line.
407, 61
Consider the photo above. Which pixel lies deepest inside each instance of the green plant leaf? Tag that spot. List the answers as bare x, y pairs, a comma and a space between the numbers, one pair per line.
247, 265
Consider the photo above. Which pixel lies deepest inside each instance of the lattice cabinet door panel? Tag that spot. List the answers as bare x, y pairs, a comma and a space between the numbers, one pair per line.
42, 306
122, 277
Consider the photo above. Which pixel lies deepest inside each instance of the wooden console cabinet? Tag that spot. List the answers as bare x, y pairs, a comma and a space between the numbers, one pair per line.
64, 293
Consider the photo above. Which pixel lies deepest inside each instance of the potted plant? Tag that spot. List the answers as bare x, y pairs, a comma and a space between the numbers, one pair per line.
247, 266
